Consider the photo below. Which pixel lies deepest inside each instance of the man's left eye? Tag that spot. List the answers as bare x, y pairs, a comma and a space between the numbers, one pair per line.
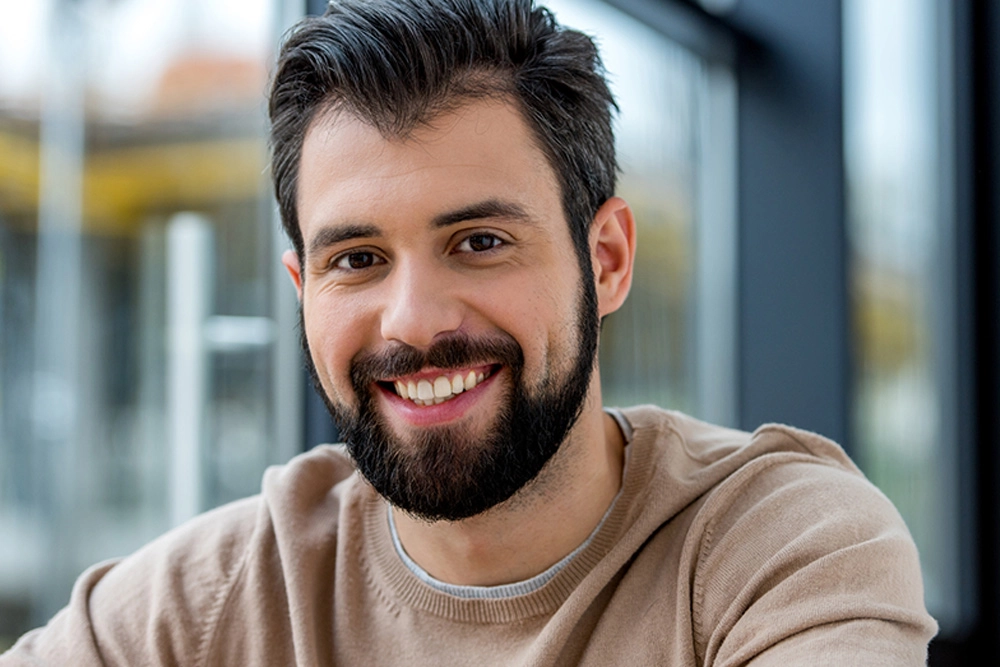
479, 243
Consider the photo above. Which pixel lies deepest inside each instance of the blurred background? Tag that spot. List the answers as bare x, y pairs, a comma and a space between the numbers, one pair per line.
816, 191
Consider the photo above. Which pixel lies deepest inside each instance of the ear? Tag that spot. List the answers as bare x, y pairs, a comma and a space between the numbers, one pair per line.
612, 249
291, 262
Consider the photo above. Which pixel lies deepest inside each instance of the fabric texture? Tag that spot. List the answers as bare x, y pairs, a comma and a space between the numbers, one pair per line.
724, 548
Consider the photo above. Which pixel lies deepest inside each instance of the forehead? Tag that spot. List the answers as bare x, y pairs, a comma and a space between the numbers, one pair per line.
483, 150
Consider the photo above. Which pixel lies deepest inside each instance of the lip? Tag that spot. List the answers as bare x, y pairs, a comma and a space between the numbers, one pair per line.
441, 413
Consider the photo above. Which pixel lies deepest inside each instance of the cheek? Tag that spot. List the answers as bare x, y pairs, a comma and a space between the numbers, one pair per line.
334, 338
541, 314
564, 338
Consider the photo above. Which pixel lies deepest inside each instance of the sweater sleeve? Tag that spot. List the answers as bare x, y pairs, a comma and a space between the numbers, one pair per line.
806, 563
155, 607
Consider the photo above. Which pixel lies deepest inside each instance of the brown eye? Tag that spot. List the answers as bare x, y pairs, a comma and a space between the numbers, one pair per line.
480, 243
357, 260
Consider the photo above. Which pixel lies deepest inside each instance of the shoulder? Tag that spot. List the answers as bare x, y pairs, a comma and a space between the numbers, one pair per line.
203, 574
797, 539
706, 444
795, 489
788, 550
211, 547
164, 603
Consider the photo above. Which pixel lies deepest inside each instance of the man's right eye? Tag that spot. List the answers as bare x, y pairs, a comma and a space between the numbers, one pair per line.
354, 261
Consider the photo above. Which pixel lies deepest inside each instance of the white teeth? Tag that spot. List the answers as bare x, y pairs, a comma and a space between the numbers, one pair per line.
424, 390
442, 387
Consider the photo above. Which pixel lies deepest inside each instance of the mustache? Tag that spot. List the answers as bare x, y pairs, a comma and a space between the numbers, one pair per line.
452, 352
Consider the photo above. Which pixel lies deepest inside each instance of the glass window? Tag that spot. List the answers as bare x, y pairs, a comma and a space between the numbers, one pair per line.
902, 274
672, 343
139, 281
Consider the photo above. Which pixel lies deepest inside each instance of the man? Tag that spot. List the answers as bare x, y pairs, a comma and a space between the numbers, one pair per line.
445, 170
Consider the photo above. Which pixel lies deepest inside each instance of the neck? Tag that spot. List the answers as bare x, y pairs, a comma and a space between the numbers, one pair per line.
540, 525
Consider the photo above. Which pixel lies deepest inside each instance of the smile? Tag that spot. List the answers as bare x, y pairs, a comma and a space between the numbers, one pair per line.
435, 390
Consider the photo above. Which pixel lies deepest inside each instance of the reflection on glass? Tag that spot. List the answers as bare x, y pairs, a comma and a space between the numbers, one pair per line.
671, 343
901, 263
136, 255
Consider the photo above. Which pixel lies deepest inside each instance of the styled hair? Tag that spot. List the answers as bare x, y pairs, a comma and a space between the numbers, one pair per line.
398, 64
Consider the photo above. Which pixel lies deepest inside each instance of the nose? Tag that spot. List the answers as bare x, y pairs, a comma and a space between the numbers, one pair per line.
419, 305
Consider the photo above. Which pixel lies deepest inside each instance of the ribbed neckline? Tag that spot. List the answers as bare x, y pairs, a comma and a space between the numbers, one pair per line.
397, 582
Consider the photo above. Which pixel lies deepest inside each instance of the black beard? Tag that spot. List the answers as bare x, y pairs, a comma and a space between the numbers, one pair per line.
443, 474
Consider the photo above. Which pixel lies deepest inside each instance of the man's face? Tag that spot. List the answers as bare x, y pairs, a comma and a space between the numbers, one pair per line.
450, 326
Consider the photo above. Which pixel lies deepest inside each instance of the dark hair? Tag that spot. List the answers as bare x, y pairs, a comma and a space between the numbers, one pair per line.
397, 64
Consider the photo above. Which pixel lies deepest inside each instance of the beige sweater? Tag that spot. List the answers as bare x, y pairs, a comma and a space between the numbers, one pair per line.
723, 548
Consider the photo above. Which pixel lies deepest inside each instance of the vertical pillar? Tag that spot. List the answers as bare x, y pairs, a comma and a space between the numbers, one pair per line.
56, 417
189, 240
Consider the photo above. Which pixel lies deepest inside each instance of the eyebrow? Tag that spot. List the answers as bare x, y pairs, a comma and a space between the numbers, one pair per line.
491, 208
328, 236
